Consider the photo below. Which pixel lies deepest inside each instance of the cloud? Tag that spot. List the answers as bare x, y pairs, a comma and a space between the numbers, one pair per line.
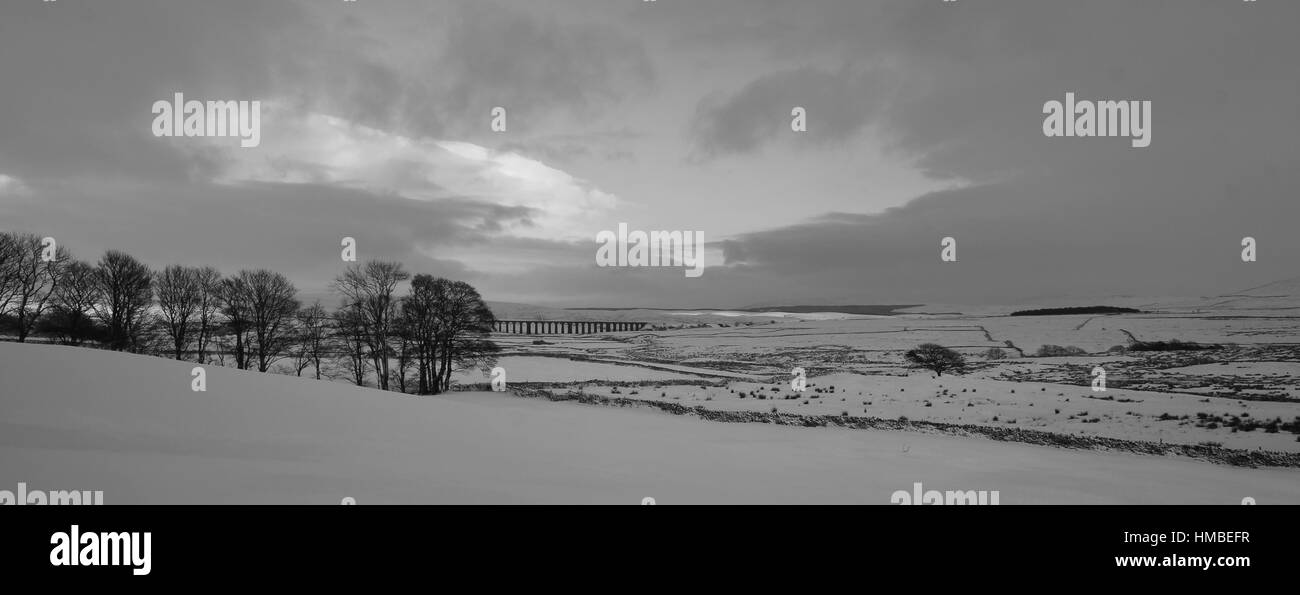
72, 115
534, 65
371, 134
11, 186
377, 127
1031, 237
610, 145
838, 106
319, 149
1036, 216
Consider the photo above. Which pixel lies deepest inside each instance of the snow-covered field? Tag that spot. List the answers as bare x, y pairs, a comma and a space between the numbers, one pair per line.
131, 426
1075, 410
1245, 395
523, 368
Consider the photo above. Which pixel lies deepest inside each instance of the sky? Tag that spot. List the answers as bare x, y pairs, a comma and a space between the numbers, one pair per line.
924, 121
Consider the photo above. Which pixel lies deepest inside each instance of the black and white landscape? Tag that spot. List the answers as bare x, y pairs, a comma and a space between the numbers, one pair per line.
626, 251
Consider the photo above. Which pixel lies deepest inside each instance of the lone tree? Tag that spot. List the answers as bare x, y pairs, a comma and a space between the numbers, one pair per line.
935, 357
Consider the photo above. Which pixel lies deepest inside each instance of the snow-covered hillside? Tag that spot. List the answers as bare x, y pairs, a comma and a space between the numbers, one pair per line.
131, 426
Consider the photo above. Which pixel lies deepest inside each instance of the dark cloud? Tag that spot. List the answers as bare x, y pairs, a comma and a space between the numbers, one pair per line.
837, 105
960, 87
1057, 236
79, 80
535, 65
1049, 216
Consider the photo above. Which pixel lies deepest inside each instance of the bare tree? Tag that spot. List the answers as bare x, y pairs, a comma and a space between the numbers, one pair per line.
34, 274
471, 352
263, 303
406, 353
464, 321
421, 325
369, 290
179, 296
9, 256
74, 304
274, 305
313, 324
126, 288
239, 318
222, 345
209, 281
350, 332
448, 323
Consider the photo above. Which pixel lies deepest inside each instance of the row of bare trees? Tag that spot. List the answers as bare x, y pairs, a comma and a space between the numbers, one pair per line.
253, 319
438, 327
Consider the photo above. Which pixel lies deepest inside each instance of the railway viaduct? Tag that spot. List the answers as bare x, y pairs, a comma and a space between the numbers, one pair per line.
563, 327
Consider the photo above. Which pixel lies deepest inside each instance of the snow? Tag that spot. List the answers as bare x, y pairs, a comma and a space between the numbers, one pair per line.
523, 368
130, 426
972, 400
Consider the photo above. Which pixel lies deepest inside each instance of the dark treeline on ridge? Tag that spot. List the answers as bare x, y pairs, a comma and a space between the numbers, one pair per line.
1076, 310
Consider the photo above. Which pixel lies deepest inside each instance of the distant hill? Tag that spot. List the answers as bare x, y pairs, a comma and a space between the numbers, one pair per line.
873, 310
